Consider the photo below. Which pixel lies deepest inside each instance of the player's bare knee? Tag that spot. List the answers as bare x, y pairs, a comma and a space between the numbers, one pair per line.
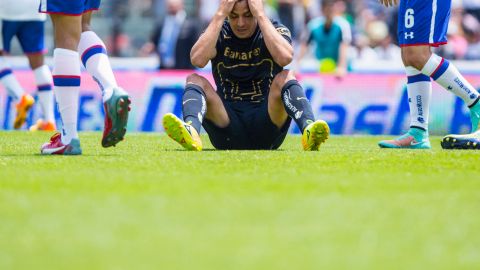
196, 79
86, 27
415, 58
282, 78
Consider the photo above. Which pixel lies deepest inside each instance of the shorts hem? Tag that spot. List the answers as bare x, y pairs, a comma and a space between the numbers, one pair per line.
44, 51
68, 14
436, 44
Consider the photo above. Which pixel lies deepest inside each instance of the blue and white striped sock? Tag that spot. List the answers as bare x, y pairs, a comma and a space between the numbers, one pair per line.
44, 80
419, 89
95, 59
448, 76
66, 83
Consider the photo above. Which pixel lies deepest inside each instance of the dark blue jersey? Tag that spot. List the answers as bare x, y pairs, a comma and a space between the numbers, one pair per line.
244, 69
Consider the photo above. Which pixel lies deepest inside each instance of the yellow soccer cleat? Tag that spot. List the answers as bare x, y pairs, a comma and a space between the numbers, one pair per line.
314, 135
23, 107
182, 132
43, 126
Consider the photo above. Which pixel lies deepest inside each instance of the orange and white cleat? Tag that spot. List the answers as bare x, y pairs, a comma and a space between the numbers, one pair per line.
23, 107
42, 125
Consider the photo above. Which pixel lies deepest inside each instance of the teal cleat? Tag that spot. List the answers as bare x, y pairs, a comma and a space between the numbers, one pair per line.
413, 139
475, 117
116, 117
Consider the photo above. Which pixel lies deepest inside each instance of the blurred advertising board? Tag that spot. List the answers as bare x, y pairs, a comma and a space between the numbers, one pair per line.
361, 103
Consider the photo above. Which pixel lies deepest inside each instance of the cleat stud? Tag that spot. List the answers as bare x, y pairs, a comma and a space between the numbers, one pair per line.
129, 108
121, 101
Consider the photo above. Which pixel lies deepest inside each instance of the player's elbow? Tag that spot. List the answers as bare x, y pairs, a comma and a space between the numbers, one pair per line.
198, 61
285, 59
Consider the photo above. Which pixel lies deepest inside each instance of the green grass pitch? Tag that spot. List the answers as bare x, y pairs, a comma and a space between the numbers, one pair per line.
147, 204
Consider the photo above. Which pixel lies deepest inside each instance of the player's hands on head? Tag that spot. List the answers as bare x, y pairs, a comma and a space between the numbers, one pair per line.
389, 3
226, 7
256, 7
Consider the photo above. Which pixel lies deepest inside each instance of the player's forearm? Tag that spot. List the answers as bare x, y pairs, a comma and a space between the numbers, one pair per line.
279, 48
204, 48
343, 55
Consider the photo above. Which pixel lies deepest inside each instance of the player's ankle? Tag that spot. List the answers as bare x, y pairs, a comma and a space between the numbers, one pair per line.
419, 134
476, 108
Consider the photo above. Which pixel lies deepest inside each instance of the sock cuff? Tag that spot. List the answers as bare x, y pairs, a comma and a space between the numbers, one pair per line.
4, 72
66, 70
435, 66
4, 64
89, 39
90, 44
288, 85
43, 76
66, 62
195, 88
411, 71
419, 128
474, 103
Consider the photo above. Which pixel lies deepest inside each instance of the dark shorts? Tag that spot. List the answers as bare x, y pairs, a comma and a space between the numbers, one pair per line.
250, 128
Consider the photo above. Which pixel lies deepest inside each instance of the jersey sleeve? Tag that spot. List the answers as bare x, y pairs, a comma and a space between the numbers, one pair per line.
286, 34
283, 30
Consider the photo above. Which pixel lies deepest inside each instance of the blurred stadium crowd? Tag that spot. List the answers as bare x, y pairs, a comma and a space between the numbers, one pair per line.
168, 28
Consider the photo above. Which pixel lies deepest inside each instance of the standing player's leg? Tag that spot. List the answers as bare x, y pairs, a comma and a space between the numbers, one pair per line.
31, 38
419, 90
199, 101
116, 101
8, 80
287, 99
44, 81
66, 83
447, 75
423, 24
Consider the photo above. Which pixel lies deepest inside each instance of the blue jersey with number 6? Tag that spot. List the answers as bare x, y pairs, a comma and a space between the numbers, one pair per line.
423, 22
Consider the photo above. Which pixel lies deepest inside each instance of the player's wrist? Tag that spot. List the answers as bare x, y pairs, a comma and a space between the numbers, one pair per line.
221, 15
261, 16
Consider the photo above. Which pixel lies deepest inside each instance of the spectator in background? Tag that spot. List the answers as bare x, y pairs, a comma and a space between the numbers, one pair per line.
471, 28
457, 45
332, 37
285, 14
381, 40
118, 10
472, 7
173, 37
206, 10
362, 50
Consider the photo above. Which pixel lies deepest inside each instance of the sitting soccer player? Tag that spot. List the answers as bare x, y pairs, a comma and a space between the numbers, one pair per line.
255, 97
423, 24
